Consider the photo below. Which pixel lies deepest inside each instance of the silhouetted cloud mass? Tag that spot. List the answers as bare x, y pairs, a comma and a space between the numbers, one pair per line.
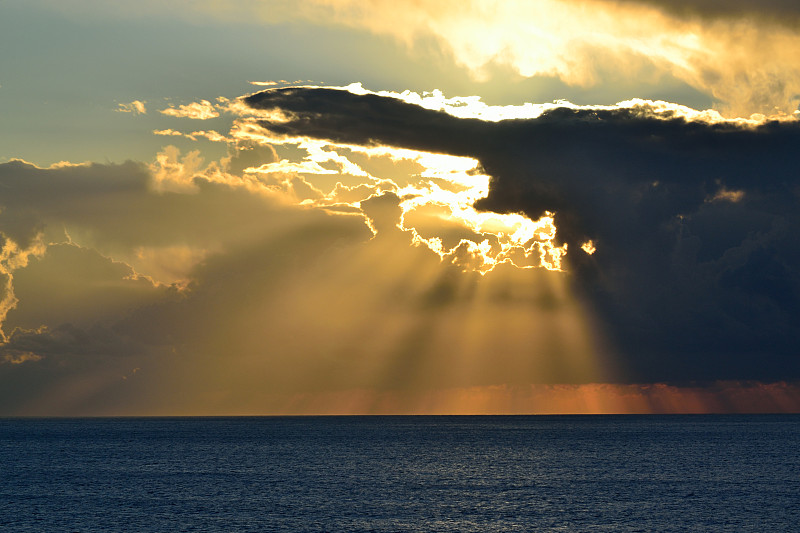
696, 223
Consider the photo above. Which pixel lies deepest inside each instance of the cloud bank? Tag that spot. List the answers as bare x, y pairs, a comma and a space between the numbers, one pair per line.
358, 252
695, 222
226, 294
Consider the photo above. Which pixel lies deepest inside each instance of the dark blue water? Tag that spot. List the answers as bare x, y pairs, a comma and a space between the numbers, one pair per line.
617, 473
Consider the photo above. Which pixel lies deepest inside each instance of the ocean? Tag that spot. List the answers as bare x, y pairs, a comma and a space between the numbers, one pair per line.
401, 473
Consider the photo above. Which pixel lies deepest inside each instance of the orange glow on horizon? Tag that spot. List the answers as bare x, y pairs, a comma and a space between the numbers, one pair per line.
584, 399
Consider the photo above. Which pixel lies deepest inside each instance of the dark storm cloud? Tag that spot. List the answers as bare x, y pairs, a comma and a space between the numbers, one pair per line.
349, 118
697, 226
783, 11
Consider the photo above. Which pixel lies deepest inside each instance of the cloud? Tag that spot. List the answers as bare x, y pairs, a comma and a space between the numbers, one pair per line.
67, 283
246, 155
775, 11
20, 358
168, 132
12, 258
202, 110
64, 327
72, 315
446, 188
237, 285
211, 135
742, 55
132, 210
289, 299
136, 107
695, 222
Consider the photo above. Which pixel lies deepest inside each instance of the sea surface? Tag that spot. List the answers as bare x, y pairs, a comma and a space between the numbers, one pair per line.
353, 474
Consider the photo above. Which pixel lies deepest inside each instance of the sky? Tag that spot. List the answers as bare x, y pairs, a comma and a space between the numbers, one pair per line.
264, 207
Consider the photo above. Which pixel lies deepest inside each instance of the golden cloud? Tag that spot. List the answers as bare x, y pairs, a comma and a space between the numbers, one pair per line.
136, 107
442, 194
202, 110
749, 64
